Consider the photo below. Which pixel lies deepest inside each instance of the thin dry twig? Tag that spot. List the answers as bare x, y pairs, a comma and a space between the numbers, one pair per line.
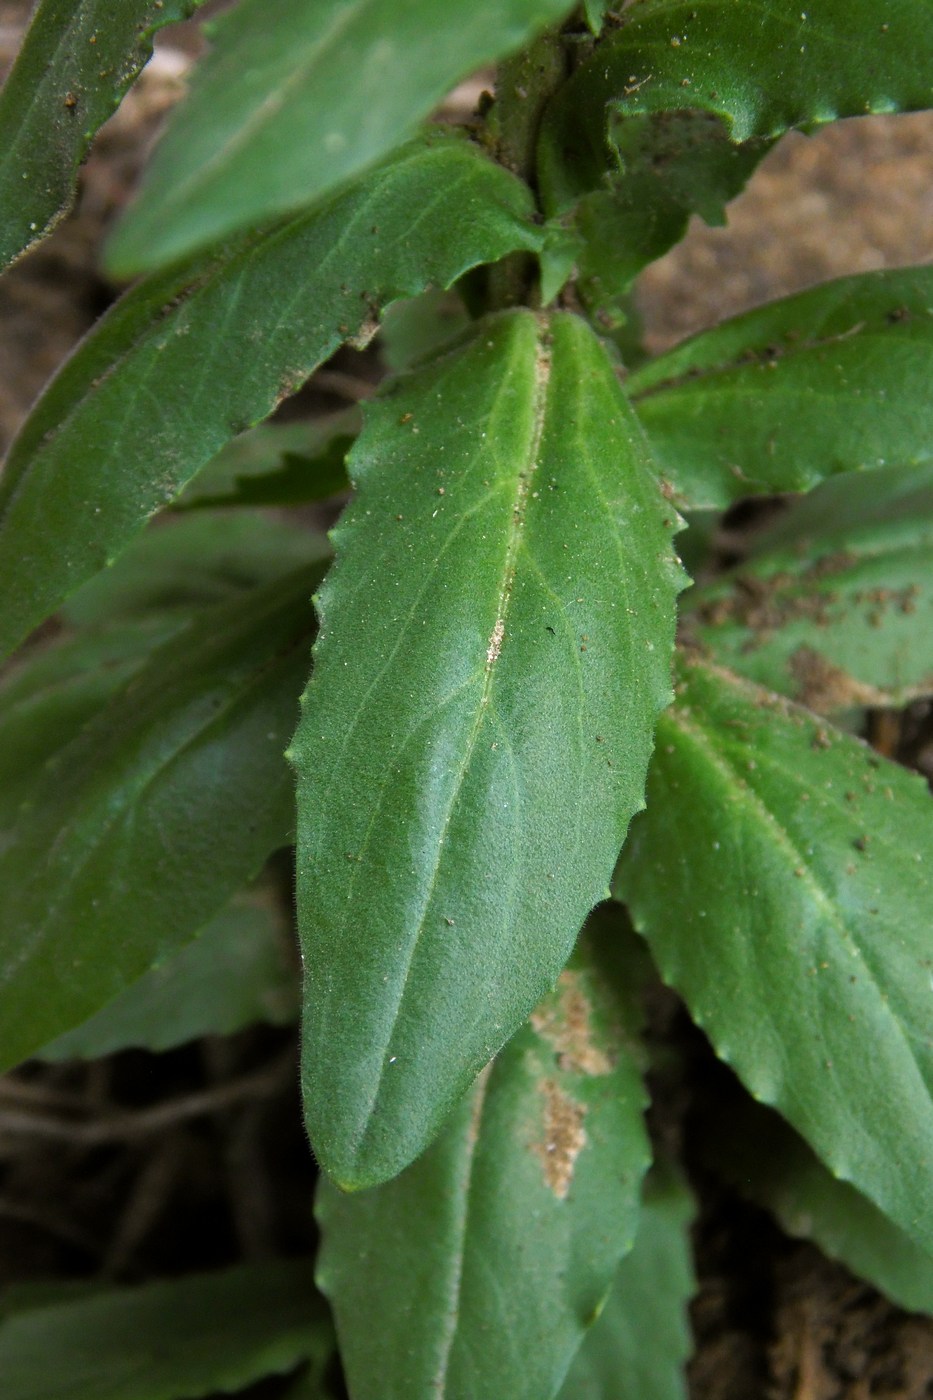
143, 1122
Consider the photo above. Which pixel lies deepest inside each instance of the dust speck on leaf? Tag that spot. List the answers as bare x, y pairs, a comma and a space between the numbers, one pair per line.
365, 334
495, 642
765, 605
564, 1022
823, 687
564, 1137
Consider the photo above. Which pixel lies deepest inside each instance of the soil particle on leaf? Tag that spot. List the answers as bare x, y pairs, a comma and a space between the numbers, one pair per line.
764, 605
825, 688
565, 1024
564, 1137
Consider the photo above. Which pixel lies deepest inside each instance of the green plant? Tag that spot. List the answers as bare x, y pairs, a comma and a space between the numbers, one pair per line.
491, 719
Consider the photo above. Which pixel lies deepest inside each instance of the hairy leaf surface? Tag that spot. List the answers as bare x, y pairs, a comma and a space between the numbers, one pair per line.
77, 60
639, 1344
831, 380
782, 875
186, 361
769, 1163
172, 1340
495, 647
298, 96
238, 971
838, 613
478, 1270
134, 834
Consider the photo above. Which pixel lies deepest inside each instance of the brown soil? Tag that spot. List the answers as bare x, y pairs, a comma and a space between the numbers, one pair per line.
143, 1165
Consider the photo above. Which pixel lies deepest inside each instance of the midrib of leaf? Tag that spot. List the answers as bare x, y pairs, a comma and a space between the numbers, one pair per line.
514, 543
718, 760
516, 531
452, 1315
275, 100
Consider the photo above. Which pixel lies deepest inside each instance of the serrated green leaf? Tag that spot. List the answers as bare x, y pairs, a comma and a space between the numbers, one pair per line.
834, 379
495, 646
178, 565
843, 617
277, 464
215, 346
637, 1348
298, 96
795, 923
760, 72
419, 326
164, 803
846, 504
240, 970
477, 1271
170, 1340
671, 168
769, 1163
77, 60
677, 106
298, 481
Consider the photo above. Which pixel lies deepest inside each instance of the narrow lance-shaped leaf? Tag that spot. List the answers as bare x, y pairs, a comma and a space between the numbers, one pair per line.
834, 379
840, 615
77, 61
239, 970
478, 1270
298, 96
162, 806
794, 921
639, 1344
495, 647
170, 1340
188, 360
755, 1150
